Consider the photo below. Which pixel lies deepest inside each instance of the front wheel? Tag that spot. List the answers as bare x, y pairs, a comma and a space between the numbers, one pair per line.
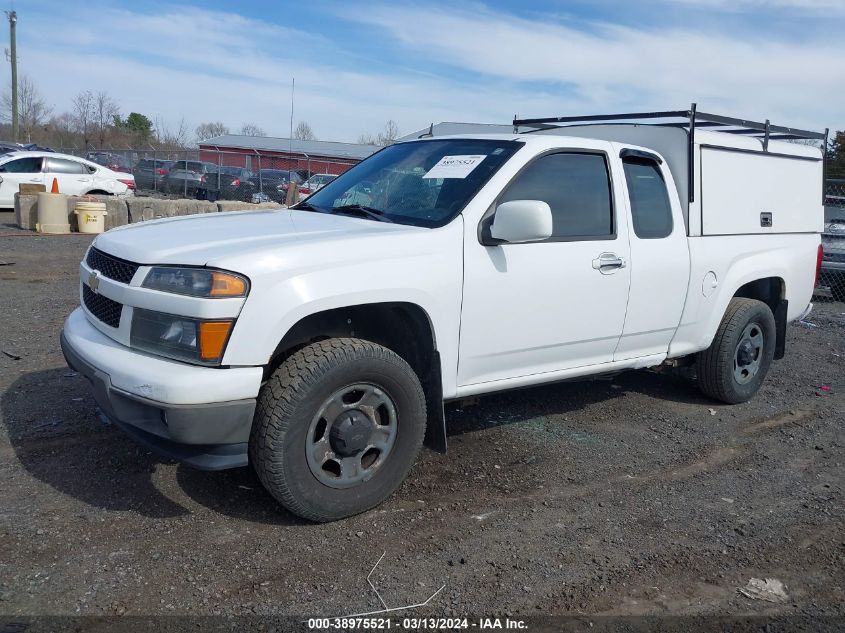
737, 361
337, 428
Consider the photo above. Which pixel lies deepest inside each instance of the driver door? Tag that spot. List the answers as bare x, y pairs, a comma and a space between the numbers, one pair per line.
16, 172
551, 305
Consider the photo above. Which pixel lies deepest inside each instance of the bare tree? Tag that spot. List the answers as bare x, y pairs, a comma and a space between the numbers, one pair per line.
61, 130
32, 109
303, 132
171, 138
105, 111
389, 134
206, 131
84, 115
251, 129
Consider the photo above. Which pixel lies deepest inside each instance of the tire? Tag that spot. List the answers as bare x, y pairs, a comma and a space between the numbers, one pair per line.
292, 411
731, 373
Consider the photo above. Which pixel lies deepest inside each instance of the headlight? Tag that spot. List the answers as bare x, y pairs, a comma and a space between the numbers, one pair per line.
182, 338
196, 282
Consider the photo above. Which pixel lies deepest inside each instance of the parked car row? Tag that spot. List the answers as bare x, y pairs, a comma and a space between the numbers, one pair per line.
204, 180
192, 178
7, 147
73, 175
115, 162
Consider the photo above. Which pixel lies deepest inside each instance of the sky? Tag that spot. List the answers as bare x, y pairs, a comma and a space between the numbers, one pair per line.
359, 63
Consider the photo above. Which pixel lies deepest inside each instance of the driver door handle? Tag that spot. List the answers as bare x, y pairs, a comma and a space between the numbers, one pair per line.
607, 263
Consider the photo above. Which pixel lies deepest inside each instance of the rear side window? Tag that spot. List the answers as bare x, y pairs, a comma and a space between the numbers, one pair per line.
29, 165
650, 207
61, 166
576, 187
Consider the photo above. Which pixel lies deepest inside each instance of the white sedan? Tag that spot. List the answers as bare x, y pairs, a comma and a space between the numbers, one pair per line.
75, 176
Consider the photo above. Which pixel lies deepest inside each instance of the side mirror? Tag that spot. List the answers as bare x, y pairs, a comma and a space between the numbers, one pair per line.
520, 221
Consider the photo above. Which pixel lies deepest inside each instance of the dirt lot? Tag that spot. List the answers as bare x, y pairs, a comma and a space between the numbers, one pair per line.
630, 496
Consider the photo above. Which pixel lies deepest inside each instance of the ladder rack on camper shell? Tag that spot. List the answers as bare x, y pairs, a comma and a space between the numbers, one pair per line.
688, 120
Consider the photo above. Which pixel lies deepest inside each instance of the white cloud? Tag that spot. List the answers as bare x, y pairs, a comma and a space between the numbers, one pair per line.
827, 6
611, 66
204, 65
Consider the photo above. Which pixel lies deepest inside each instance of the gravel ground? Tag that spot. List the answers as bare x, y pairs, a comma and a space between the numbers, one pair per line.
631, 496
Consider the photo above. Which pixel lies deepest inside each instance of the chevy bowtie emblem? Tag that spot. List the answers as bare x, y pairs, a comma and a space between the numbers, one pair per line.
94, 280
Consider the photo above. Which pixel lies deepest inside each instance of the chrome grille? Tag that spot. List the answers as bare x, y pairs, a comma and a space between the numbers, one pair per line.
103, 308
111, 267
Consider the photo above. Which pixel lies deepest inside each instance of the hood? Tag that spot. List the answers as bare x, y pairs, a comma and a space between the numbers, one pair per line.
204, 239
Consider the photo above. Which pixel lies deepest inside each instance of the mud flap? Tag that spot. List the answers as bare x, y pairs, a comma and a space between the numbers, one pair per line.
780, 329
435, 428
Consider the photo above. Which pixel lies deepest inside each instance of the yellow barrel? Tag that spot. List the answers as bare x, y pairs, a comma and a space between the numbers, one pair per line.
52, 213
91, 216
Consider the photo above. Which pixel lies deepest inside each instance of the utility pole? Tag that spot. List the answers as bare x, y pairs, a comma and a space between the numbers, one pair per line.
13, 58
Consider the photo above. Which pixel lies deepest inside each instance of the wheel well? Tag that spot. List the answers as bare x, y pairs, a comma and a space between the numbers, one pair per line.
772, 292
98, 192
401, 327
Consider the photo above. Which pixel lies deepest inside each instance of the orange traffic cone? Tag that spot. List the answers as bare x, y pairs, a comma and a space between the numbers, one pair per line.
55, 188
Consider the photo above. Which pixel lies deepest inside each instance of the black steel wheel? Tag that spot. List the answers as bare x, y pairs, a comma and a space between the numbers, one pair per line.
337, 428
737, 361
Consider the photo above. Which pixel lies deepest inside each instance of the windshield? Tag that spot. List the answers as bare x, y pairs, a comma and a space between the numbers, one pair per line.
423, 183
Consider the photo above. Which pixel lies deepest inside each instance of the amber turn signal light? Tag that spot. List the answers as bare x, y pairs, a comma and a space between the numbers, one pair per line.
226, 285
212, 338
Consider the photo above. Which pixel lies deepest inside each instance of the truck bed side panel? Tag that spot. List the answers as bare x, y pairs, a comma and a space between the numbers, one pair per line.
732, 261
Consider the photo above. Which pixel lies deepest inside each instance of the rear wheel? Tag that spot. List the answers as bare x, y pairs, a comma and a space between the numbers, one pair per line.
737, 361
337, 428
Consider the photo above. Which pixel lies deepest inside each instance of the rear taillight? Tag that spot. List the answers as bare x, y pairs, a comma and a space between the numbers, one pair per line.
161, 171
236, 182
127, 182
202, 178
819, 258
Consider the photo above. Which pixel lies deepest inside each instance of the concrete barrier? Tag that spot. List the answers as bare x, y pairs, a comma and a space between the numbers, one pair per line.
233, 205
131, 210
142, 209
26, 210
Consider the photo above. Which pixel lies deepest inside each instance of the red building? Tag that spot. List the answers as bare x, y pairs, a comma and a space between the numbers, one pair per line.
262, 152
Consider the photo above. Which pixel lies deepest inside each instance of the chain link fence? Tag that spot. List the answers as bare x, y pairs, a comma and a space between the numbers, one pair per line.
832, 279
216, 174
258, 177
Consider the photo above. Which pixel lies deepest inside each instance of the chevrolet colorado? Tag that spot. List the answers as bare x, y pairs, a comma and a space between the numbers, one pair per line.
319, 343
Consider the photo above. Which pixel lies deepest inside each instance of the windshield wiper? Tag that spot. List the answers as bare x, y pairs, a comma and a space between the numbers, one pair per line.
359, 209
307, 206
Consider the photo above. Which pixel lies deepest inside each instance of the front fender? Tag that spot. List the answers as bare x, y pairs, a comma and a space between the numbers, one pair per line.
427, 274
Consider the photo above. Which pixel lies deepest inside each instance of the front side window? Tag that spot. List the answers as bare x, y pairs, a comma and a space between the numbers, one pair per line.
577, 189
62, 166
28, 165
650, 207
422, 183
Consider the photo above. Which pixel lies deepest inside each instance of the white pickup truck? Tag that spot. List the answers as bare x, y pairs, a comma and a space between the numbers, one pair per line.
319, 343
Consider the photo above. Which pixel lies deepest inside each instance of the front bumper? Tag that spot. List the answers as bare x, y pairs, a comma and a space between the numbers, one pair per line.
209, 436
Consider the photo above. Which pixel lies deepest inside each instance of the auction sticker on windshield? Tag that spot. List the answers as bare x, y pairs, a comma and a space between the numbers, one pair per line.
455, 166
